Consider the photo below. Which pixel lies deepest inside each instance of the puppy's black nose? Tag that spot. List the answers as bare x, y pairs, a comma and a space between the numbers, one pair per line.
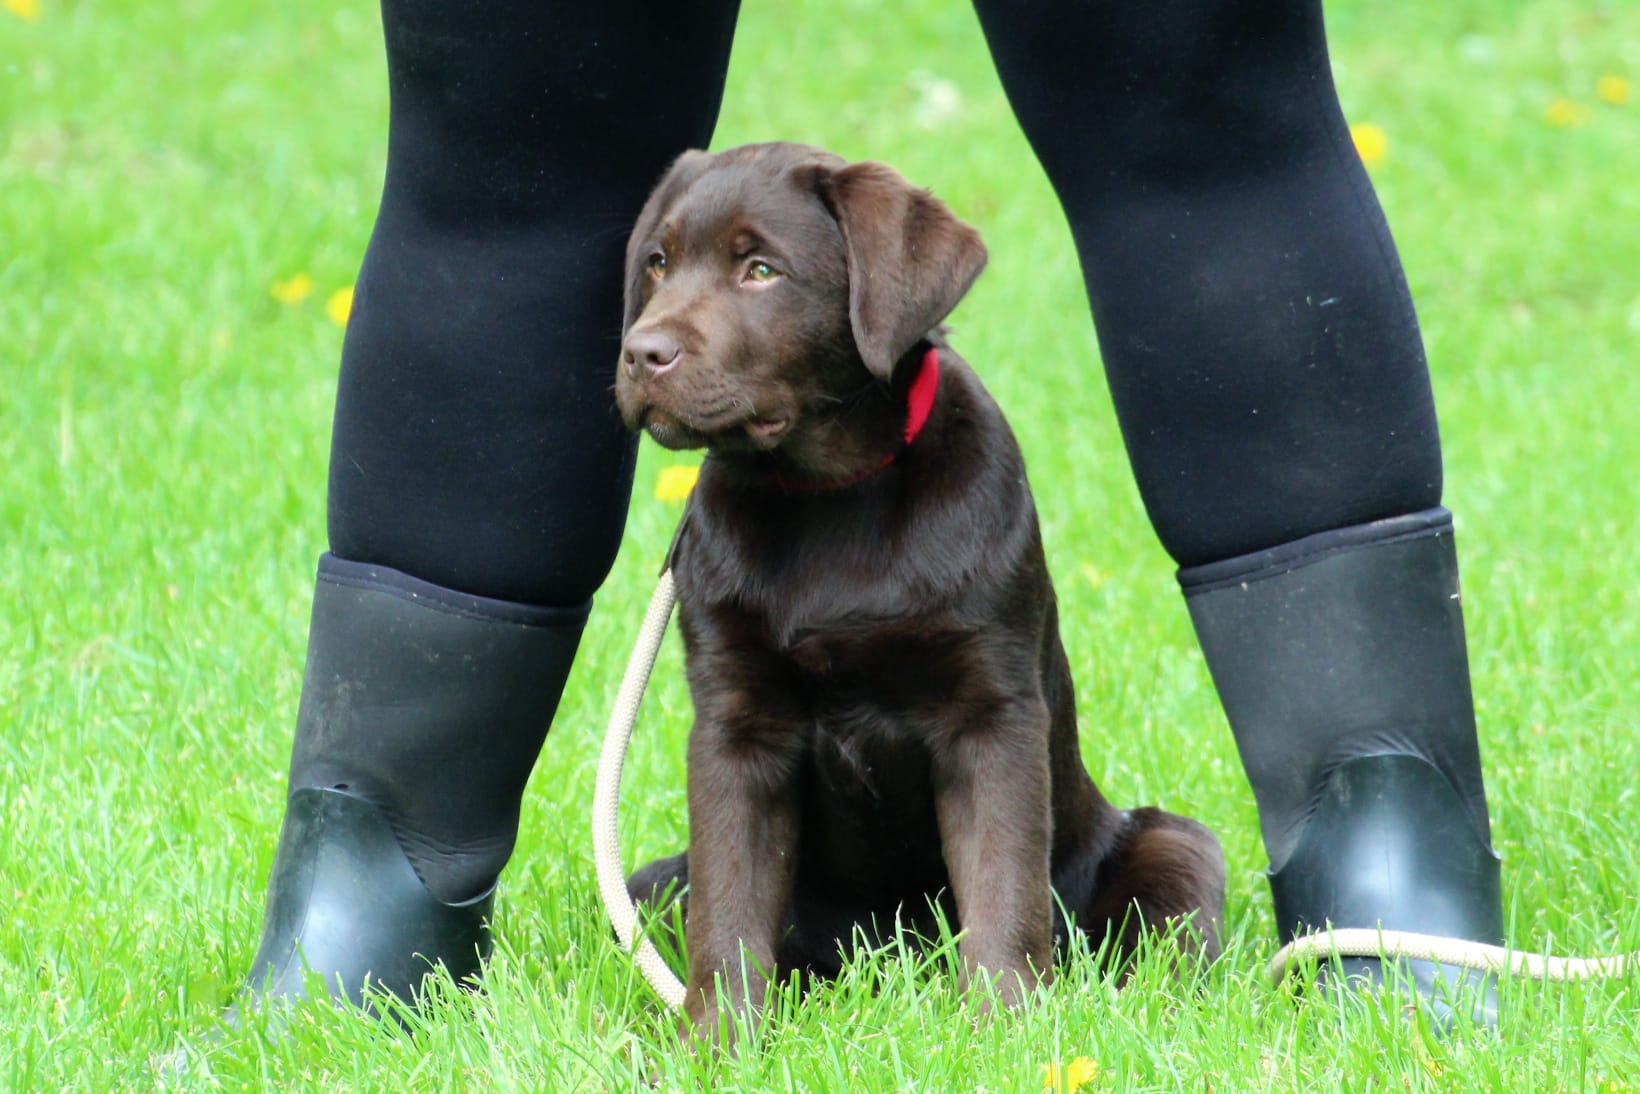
651, 351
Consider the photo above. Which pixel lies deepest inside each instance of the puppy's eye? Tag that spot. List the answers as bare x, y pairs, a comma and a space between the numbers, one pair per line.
656, 265
762, 272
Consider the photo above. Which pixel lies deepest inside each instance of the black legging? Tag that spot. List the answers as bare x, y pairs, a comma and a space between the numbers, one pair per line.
1254, 321
476, 443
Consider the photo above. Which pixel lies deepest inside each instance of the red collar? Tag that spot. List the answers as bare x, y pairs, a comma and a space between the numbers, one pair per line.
919, 404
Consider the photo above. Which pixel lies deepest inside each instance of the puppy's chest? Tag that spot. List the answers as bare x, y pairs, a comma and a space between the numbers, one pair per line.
903, 664
867, 775
850, 642
874, 705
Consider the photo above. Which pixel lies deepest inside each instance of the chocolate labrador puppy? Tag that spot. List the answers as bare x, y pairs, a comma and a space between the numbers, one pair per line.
885, 729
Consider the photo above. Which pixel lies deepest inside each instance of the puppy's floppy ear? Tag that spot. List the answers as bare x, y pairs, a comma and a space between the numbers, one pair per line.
683, 171
909, 258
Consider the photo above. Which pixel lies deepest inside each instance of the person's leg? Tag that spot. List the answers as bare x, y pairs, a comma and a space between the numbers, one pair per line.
1271, 386
479, 475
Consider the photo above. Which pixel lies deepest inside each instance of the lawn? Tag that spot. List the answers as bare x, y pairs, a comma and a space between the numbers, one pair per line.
186, 188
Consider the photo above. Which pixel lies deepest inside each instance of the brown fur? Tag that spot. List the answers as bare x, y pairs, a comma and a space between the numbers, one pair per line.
884, 716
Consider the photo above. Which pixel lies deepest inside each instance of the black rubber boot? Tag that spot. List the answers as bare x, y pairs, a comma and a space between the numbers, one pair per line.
1341, 663
345, 904
423, 711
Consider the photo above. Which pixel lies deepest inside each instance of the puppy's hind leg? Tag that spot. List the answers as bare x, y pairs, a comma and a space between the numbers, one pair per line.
661, 892
1165, 871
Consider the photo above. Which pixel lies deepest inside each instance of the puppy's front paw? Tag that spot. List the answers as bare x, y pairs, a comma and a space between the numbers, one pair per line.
711, 1030
1003, 987
714, 1011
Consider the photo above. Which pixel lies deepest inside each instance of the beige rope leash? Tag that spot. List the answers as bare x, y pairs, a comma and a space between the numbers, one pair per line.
1320, 946
606, 838
1370, 942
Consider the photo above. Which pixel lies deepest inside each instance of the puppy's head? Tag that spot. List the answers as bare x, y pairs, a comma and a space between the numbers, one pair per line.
769, 286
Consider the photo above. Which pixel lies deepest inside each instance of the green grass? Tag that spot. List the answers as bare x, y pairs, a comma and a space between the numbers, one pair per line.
163, 432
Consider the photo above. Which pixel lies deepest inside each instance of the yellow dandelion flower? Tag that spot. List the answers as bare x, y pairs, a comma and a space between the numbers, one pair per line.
1371, 143
1433, 1067
340, 306
293, 290
26, 10
675, 482
1564, 113
1613, 89
1077, 1074
1093, 575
